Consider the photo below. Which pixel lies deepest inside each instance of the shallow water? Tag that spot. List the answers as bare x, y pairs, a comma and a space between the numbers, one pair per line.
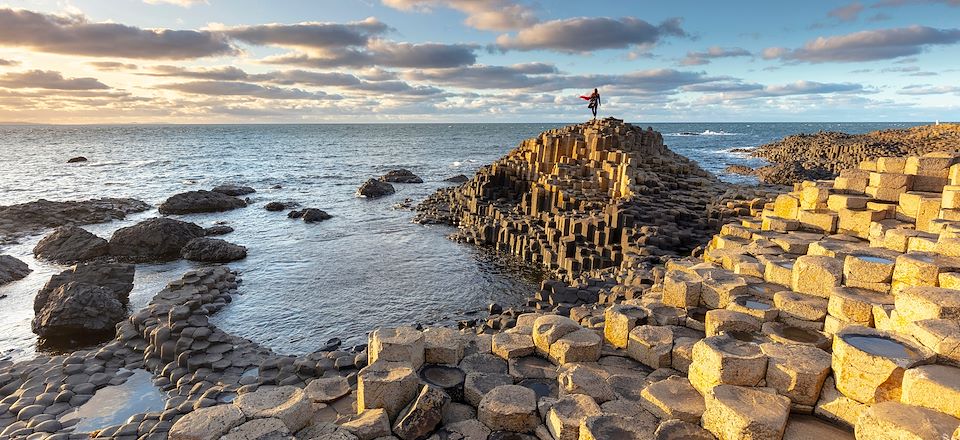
880, 346
113, 405
305, 283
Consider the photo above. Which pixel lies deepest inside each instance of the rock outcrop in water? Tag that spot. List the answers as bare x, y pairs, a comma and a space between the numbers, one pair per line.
212, 250
584, 197
71, 244
156, 239
374, 188
823, 155
12, 269
86, 300
233, 190
194, 202
401, 176
25, 218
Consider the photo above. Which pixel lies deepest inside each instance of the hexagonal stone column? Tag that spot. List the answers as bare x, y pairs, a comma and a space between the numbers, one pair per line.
895, 420
565, 415
619, 320
387, 385
401, 344
725, 360
868, 364
509, 408
651, 345
735, 412
796, 371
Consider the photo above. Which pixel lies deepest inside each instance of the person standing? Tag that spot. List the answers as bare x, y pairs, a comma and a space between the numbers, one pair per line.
594, 104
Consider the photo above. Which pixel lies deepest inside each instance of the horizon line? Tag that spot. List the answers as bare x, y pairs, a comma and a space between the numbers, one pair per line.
51, 124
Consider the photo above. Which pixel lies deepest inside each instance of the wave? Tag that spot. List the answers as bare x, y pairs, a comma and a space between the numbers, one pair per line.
704, 133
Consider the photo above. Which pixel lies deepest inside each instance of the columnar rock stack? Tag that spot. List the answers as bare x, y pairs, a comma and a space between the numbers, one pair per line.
581, 198
840, 299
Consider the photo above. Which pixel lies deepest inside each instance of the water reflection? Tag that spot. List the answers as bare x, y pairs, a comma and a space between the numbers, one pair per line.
113, 405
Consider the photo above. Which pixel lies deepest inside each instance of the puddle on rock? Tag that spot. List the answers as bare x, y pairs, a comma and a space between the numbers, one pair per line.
880, 346
113, 405
874, 259
755, 305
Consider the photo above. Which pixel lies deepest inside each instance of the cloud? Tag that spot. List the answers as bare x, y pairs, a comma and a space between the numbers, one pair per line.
700, 58
867, 45
310, 35
488, 15
112, 65
848, 12
234, 88
924, 89
75, 35
183, 3
47, 79
517, 76
385, 54
735, 90
229, 73
4, 62
895, 3
585, 34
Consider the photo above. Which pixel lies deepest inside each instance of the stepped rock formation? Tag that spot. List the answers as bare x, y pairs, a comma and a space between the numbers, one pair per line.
823, 155
583, 197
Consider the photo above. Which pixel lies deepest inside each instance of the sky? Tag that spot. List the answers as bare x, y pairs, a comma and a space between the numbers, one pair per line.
366, 61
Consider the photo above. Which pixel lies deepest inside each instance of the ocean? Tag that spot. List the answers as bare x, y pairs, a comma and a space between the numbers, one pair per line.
306, 283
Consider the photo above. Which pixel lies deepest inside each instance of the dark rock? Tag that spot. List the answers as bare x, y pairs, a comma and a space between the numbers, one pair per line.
277, 186
69, 244
495, 309
76, 309
233, 190
401, 176
422, 416
156, 239
311, 215
295, 214
12, 269
200, 201
459, 178
115, 277
373, 188
213, 250
77, 159
42, 214
275, 206
217, 230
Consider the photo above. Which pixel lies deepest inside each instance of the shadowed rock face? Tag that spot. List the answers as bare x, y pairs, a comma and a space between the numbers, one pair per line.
86, 300
192, 202
118, 278
373, 188
69, 244
401, 176
156, 239
213, 250
12, 269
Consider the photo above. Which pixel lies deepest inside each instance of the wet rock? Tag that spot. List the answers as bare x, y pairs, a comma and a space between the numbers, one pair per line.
212, 250
193, 202
12, 269
233, 190
742, 170
77, 159
459, 178
313, 215
373, 188
207, 423
24, 218
401, 176
78, 309
279, 206
70, 244
117, 278
422, 416
156, 239
217, 230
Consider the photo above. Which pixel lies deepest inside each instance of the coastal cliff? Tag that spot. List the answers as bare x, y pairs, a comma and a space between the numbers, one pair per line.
824, 155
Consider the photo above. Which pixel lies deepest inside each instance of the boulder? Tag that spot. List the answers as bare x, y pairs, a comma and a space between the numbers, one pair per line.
313, 215
369, 424
422, 416
70, 244
373, 188
459, 178
12, 269
565, 416
212, 250
78, 309
400, 344
401, 176
387, 385
193, 202
156, 239
233, 190
734, 412
117, 278
77, 159
207, 423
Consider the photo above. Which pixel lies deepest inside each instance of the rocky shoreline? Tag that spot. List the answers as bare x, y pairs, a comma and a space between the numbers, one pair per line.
824, 155
682, 308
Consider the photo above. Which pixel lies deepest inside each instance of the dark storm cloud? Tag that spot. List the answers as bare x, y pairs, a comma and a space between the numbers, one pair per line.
700, 58
309, 35
47, 79
236, 88
867, 45
74, 35
585, 34
386, 54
